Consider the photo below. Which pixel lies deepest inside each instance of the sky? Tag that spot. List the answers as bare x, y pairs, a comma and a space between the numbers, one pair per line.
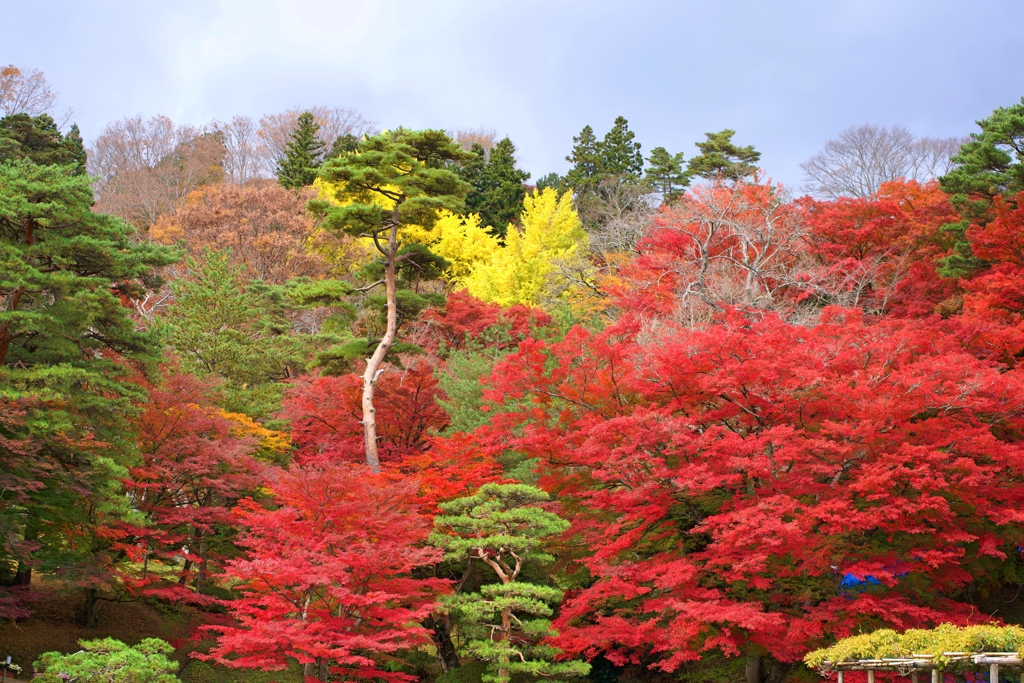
787, 76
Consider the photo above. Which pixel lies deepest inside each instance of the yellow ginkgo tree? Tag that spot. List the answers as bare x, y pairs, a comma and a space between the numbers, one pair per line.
532, 267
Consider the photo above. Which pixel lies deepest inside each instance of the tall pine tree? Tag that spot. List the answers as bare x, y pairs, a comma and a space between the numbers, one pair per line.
665, 174
498, 190
720, 157
303, 155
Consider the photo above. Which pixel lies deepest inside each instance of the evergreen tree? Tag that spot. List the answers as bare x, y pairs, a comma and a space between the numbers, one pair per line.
619, 155
68, 349
343, 144
505, 623
38, 139
665, 175
472, 171
991, 163
303, 156
720, 157
499, 197
397, 179
552, 180
586, 161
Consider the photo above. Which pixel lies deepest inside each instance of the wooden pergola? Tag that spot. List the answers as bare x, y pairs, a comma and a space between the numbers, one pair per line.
913, 665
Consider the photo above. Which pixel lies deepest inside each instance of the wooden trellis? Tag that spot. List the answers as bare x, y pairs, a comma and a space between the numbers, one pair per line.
914, 665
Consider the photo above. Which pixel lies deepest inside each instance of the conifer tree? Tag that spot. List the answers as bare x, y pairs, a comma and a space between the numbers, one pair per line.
498, 194
303, 155
991, 163
620, 155
721, 157
67, 342
586, 161
506, 623
38, 139
395, 179
665, 175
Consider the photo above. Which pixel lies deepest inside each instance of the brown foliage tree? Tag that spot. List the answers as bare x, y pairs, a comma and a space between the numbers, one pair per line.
146, 168
265, 226
24, 91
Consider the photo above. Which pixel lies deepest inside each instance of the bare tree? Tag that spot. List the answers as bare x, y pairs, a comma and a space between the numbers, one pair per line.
617, 215
242, 162
275, 131
25, 91
467, 137
861, 158
146, 167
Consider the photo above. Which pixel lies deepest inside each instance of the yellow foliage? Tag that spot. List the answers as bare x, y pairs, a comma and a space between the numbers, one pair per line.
526, 271
273, 445
937, 642
461, 240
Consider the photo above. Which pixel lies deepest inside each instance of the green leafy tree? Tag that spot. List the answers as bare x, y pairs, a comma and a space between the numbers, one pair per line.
665, 174
303, 155
991, 163
498, 192
68, 348
721, 158
110, 661
38, 139
503, 526
398, 178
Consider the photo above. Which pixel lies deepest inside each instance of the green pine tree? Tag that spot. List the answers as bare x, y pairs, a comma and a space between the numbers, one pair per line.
586, 161
303, 155
990, 164
498, 196
396, 178
505, 623
619, 155
38, 139
720, 158
68, 350
665, 174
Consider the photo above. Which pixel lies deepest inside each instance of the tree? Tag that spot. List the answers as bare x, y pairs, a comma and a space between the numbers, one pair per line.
303, 155
222, 325
665, 174
861, 158
146, 168
991, 163
111, 661
67, 340
394, 179
730, 504
526, 270
39, 140
328, 576
720, 157
242, 145
585, 159
275, 132
266, 227
195, 465
498, 191
24, 91
503, 526
620, 156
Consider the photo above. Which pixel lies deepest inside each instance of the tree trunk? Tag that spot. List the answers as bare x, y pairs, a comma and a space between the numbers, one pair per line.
506, 631
324, 668
441, 633
374, 363
23, 575
753, 669
90, 617
308, 670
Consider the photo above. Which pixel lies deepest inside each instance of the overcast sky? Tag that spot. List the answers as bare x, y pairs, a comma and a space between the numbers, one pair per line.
786, 75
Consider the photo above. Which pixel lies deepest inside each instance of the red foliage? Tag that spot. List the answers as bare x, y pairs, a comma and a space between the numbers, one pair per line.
466, 319
328, 574
880, 253
326, 414
724, 480
193, 473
